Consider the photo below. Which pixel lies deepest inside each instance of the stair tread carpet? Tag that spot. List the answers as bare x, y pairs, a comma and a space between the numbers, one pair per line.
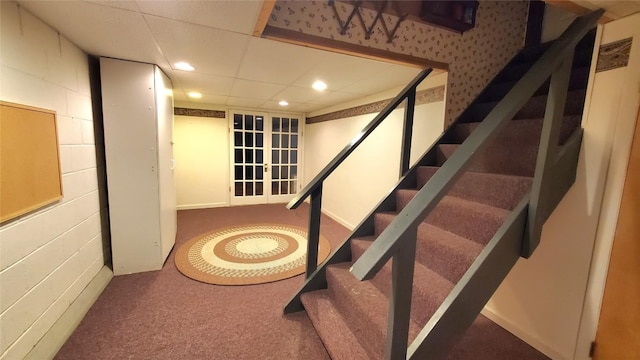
534, 108
497, 190
468, 219
446, 253
520, 131
363, 306
429, 288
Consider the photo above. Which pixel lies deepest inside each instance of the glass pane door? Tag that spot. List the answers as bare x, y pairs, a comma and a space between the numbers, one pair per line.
248, 159
265, 153
285, 139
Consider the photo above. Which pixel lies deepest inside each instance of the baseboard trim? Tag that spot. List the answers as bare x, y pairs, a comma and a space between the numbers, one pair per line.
202, 206
523, 335
52, 341
339, 219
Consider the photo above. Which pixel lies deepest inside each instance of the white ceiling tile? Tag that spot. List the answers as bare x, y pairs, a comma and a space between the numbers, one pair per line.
99, 30
305, 108
255, 89
179, 95
244, 102
195, 81
276, 62
125, 5
297, 94
339, 70
334, 98
273, 105
209, 99
625, 8
235, 16
211, 51
394, 76
232, 68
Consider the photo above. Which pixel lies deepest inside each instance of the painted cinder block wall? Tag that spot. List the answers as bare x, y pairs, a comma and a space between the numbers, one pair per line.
48, 256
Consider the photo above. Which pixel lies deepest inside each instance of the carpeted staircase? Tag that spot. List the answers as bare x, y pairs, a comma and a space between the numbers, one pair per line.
351, 315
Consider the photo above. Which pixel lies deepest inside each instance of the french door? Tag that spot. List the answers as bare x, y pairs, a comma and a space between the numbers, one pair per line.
265, 155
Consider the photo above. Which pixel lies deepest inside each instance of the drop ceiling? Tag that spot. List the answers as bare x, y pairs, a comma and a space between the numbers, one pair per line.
233, 68
615, 9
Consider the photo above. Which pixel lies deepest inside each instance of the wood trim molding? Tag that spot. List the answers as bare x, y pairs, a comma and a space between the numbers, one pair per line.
298, 38
576, 9
263, 17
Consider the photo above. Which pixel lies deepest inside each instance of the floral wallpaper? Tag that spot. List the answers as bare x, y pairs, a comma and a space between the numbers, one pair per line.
474, 57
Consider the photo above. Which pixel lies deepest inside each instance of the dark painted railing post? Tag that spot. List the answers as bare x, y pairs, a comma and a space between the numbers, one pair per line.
543, 178
400, 298
407, 130
314, 230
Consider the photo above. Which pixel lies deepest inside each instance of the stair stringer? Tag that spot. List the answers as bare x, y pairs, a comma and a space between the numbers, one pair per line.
493, 264
473, 291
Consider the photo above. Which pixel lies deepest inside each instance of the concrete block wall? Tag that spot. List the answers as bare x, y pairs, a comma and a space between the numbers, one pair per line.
49, 256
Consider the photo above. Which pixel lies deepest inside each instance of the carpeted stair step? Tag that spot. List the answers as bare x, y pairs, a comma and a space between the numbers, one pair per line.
533, 109
363, 307
446, 253
502, 191
468, 219
483, 340
519, 162
429, 288
334, 332
520, 131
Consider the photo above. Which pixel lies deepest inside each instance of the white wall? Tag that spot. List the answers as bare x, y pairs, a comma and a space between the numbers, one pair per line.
542, 299
369, 173
49, 256
201, 152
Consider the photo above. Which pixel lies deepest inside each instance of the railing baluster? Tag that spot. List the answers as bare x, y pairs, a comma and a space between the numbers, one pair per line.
314, 230
407, 130
538, 207
400, 298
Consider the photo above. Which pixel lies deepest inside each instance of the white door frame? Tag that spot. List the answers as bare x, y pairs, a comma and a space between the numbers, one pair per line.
267, 163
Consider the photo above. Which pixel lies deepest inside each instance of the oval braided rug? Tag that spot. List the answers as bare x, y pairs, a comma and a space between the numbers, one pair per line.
247, 254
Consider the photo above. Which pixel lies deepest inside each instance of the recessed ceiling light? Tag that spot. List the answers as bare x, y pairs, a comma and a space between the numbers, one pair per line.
283, 103
183, 66
194, 95
319, 85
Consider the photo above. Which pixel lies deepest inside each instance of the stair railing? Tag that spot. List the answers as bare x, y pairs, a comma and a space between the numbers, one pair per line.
314, 188
398, 240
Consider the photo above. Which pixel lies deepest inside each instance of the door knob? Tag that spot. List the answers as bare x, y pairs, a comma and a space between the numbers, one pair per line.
266, 167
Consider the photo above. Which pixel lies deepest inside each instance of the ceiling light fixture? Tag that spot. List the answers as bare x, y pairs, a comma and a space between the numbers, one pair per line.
319, 85
283, 103
194, 95
184, 66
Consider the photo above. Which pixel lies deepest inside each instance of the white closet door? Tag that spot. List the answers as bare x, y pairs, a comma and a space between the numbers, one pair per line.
167, 190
